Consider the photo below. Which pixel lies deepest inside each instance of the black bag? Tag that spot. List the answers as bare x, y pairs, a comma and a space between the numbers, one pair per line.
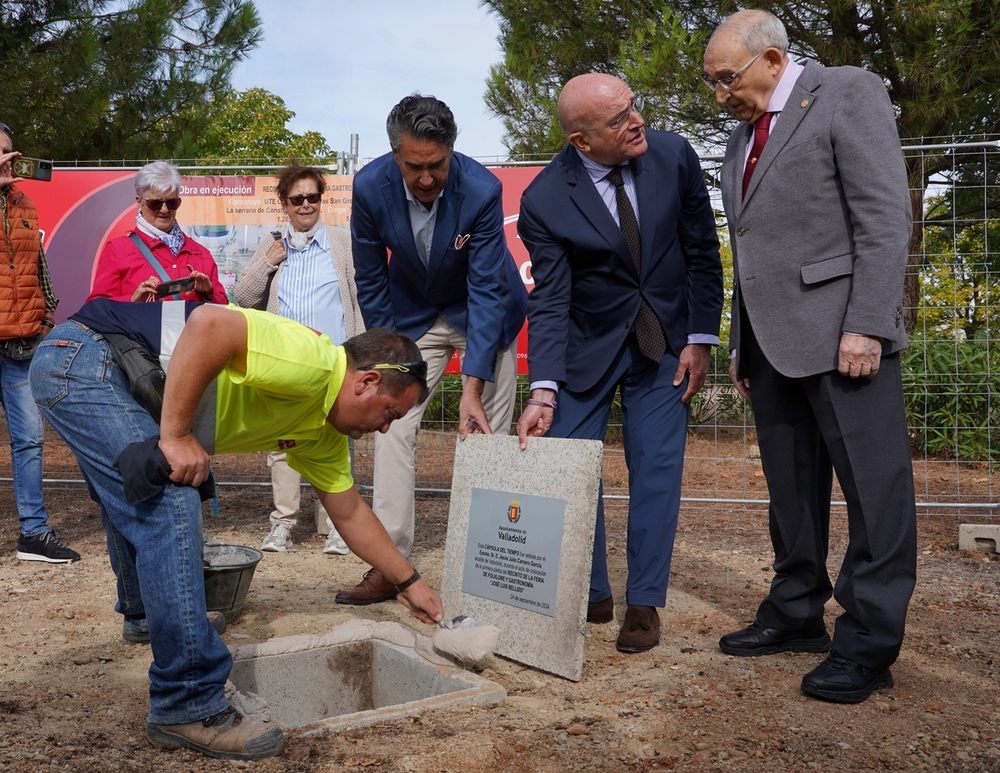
145, 376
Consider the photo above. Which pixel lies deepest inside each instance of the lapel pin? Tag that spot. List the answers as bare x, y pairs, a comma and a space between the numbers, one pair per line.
804, 103
461, 240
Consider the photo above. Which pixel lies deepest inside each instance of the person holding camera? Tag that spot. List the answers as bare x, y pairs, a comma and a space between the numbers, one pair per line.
156, 261
27, 305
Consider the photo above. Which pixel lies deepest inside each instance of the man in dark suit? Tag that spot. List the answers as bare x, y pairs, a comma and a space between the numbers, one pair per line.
451, 285
815, 190
628, 295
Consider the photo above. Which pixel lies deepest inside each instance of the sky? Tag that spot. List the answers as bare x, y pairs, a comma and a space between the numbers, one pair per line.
341, 66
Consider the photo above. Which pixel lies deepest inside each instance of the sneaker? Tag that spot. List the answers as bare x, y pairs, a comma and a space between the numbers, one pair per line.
228, 735
279, 540
137, 631
335, 545
45, 547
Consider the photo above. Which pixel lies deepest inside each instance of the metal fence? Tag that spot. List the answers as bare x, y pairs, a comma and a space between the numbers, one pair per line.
951, 371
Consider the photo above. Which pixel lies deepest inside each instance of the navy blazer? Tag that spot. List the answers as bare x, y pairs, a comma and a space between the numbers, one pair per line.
471, 278
587, 293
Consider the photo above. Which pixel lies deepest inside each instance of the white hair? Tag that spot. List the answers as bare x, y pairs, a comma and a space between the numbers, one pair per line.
158, 176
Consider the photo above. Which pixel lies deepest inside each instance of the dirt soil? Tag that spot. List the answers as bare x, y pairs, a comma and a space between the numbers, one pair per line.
73, 695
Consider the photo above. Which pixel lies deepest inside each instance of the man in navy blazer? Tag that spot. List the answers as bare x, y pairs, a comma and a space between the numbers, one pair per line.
598, 323
451, 284
820, 225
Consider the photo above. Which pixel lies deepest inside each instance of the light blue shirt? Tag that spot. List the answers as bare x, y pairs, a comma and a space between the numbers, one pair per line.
309, 291
422, 221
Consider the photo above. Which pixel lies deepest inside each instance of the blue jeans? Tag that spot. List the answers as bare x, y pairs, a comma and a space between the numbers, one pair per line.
27, 434
155, 546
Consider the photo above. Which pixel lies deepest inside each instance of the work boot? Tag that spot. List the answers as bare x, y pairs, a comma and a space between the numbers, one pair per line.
227, 735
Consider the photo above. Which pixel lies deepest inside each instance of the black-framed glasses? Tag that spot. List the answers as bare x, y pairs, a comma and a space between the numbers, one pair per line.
727, 81
416, 369
312, 198
157, 204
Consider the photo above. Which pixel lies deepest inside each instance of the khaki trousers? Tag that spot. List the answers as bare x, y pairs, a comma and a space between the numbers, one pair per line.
395, 451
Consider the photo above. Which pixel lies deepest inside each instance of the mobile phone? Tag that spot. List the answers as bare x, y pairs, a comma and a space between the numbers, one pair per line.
175, 286
276, 235
31, 168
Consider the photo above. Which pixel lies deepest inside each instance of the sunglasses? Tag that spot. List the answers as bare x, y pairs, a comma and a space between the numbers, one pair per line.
157, 204
416, 369
296, 201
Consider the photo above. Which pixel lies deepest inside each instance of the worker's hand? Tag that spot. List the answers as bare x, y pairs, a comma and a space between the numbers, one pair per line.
536, 419
423, 603
189, 464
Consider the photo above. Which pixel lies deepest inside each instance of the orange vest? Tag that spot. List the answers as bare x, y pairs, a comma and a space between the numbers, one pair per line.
22, 303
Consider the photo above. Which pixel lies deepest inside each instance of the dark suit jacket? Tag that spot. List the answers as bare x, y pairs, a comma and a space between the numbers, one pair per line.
820, 242
586, 293
475, 286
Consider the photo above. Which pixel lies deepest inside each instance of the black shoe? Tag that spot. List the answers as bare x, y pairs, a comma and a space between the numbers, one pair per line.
755, 640
841, 680
45, 547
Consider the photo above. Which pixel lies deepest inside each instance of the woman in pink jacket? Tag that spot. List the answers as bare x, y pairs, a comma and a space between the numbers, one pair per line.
125, 273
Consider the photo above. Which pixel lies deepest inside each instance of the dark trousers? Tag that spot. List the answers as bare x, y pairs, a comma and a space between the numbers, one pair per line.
807, 428
654, 423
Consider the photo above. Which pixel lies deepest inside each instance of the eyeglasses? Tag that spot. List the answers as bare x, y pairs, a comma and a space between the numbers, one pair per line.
296, 201
727, 81
6, 130
157, 204
635, 106
416, 369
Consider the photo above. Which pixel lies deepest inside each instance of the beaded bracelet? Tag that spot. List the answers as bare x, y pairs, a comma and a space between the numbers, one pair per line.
404, 585
543, 404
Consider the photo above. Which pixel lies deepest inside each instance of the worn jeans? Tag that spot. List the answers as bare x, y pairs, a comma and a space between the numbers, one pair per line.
155, 546
27, 434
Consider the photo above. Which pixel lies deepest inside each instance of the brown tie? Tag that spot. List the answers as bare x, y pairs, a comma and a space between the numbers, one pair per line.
648, 331
761, 131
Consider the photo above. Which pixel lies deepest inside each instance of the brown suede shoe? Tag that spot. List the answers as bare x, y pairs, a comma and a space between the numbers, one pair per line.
601, 611
372, 589
228, 735
640, 631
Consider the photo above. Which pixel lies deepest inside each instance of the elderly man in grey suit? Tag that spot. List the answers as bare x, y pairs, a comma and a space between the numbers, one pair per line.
815, 192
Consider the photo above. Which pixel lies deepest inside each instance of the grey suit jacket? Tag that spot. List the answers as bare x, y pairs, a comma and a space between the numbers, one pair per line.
820, 242
250, 288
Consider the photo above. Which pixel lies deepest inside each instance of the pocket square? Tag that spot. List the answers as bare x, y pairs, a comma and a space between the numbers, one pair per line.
461, 240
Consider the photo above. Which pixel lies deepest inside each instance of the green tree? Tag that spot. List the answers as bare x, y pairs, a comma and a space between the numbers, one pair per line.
251, 126
100, 79
938, 59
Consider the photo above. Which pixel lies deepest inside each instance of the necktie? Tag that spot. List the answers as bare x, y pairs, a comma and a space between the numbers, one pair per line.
648, 331
761, 131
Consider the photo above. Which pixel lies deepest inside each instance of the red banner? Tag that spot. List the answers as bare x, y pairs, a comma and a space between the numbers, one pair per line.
80, 210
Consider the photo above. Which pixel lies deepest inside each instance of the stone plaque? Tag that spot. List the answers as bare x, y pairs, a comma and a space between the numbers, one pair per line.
555, 485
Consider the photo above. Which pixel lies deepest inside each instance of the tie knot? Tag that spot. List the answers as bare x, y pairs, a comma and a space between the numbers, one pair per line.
615, 177
764, 122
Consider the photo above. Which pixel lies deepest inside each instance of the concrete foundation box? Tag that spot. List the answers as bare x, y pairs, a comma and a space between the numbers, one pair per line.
317, 684
979, 536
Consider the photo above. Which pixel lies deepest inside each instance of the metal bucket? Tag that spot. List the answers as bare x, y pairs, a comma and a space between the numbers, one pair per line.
228, 572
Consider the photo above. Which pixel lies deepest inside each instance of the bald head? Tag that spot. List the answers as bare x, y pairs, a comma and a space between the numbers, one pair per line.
580, 95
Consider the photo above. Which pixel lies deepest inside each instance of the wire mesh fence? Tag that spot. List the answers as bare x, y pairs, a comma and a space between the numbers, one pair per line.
951, 370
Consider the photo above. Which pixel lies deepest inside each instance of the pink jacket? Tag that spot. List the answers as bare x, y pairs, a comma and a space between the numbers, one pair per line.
122, 268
